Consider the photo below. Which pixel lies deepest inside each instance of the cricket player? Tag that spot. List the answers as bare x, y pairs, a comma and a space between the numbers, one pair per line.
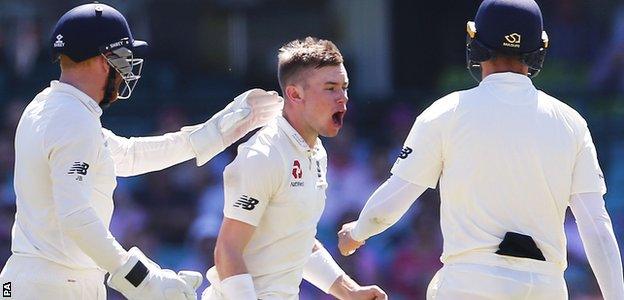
66, 166
275, 189
510, 159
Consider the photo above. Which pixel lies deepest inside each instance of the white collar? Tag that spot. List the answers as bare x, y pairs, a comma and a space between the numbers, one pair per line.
507, 77
295, 137
511, 88
91, 104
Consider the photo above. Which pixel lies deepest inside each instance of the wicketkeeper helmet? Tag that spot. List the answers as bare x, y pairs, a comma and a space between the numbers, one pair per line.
97, 29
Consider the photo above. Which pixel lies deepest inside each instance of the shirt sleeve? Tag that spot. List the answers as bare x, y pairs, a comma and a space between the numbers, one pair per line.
385, 207
420, 160
140, 155
72, 153
73, 150
587, 177
596, 231
250, 182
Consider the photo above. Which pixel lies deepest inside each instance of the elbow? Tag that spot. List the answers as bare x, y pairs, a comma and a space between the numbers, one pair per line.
66, 224
74, 221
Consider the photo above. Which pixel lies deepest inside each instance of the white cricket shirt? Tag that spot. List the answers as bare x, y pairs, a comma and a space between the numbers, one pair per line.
507, 157
65, 161
276, 183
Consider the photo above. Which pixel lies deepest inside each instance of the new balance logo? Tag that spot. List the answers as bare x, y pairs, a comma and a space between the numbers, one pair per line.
78, 168
6, 289
246, 202
405, 152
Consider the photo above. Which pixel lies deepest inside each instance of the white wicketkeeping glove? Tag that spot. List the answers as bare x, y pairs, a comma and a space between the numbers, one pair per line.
250, 110
142, 279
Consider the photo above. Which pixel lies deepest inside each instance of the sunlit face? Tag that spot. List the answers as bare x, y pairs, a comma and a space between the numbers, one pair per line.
324, 99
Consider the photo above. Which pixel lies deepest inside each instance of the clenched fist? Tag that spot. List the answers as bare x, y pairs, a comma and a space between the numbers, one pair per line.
346, 243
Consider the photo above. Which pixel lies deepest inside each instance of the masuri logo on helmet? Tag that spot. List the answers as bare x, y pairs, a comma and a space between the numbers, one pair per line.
506, 27
512, 40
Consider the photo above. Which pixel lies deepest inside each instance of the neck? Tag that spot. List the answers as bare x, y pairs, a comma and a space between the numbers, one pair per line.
85, 83
502, 65
307, 133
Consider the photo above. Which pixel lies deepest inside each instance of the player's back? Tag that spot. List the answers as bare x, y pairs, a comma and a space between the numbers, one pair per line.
509, 156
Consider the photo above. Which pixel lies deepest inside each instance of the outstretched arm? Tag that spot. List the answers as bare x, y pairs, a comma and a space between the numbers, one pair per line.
596, 230
140, 155
250, 110
384, 208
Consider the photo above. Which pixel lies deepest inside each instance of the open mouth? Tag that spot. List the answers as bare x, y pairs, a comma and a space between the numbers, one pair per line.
337, 117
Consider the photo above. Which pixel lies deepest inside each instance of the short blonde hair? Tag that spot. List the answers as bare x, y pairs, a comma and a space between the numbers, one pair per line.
297, 56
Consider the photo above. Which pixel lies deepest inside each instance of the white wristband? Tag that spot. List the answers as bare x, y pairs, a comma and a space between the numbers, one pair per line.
321, 270
238, 287
355, 233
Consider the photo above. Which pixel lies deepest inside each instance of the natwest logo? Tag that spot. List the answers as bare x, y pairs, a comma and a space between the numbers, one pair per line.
297, 172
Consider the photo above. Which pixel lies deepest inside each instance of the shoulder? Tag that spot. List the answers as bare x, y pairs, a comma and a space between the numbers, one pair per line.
265, 141
69, 120
441, 107
261, 151
555, 106
440, 110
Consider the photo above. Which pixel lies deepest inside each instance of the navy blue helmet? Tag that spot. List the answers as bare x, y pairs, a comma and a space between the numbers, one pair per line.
96, 29
507, 27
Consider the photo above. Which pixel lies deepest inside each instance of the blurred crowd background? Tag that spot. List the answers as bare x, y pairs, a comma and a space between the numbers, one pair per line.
401, 56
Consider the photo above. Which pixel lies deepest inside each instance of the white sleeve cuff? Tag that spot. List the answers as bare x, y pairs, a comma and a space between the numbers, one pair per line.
205, 140
321, 270
357, 234
596, 231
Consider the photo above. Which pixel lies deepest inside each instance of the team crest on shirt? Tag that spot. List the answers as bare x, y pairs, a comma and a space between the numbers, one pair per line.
297, 174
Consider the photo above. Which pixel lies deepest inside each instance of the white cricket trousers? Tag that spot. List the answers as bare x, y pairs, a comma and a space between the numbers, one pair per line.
473, 281
33, 278
210, 293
